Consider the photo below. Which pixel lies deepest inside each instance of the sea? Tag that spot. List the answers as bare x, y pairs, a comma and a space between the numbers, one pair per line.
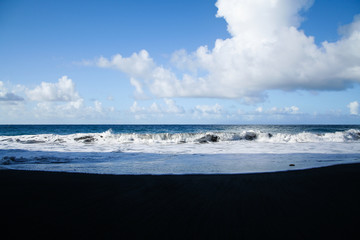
177, 149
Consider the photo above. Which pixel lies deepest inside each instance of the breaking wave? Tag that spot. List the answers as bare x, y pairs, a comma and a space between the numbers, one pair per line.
222, 150
108, 137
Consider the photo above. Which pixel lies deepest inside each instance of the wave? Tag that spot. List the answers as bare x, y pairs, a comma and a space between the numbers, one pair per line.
108, 137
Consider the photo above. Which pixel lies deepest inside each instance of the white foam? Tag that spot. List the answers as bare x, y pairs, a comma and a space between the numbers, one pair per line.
179, 153
228, 142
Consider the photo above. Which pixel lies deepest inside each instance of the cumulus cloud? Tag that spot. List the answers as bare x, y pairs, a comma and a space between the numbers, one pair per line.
266, 50
60, 100
172, 107
354, 108
138, 65
139, 93
6, 96
285, 110
68, 110
277, 111
74, 110
10, 97
207, 110
169, 107
98, 106
260, 17
54, 103
62, 91
135, 108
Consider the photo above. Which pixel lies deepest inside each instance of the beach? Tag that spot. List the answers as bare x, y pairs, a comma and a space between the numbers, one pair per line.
301, 204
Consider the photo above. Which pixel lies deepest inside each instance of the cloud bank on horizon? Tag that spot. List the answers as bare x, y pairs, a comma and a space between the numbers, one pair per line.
266, 51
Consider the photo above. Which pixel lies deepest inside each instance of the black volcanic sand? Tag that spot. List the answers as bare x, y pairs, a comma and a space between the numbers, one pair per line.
306, 204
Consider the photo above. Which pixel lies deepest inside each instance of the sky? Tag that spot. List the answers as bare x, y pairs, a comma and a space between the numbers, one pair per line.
180, 62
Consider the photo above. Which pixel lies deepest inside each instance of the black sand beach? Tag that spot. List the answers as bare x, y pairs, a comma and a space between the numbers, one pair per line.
307, 204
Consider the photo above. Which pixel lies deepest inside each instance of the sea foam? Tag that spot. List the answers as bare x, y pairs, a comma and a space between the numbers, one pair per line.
231, 150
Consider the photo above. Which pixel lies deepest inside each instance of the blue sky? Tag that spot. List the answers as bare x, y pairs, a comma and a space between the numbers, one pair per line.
225, 61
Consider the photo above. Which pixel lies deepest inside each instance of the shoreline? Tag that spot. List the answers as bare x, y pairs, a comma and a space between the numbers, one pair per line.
291, 168
297, 204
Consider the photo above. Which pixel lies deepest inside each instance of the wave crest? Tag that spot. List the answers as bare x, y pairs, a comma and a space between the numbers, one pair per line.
109, 137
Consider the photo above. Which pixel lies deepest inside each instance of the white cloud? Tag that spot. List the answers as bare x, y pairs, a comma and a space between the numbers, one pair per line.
276, 111
10, 97
260, 18
98, 106
73, 111
6, 96
354, 108
139, 93
2, 89
60, 100
51, 110
169, 107
266, 51
172, 107
135, 108
285, 110
154, 108
138, 65
207, 110
76, 104
62, 91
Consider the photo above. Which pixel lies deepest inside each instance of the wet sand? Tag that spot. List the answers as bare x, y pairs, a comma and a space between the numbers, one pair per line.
304, 204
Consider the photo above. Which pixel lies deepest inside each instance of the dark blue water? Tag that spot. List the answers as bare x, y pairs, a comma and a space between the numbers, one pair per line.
13, 130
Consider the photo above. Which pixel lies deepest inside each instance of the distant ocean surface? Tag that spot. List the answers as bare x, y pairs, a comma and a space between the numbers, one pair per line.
176, 149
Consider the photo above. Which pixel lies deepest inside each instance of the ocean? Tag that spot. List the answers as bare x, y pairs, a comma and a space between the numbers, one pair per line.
177, 149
